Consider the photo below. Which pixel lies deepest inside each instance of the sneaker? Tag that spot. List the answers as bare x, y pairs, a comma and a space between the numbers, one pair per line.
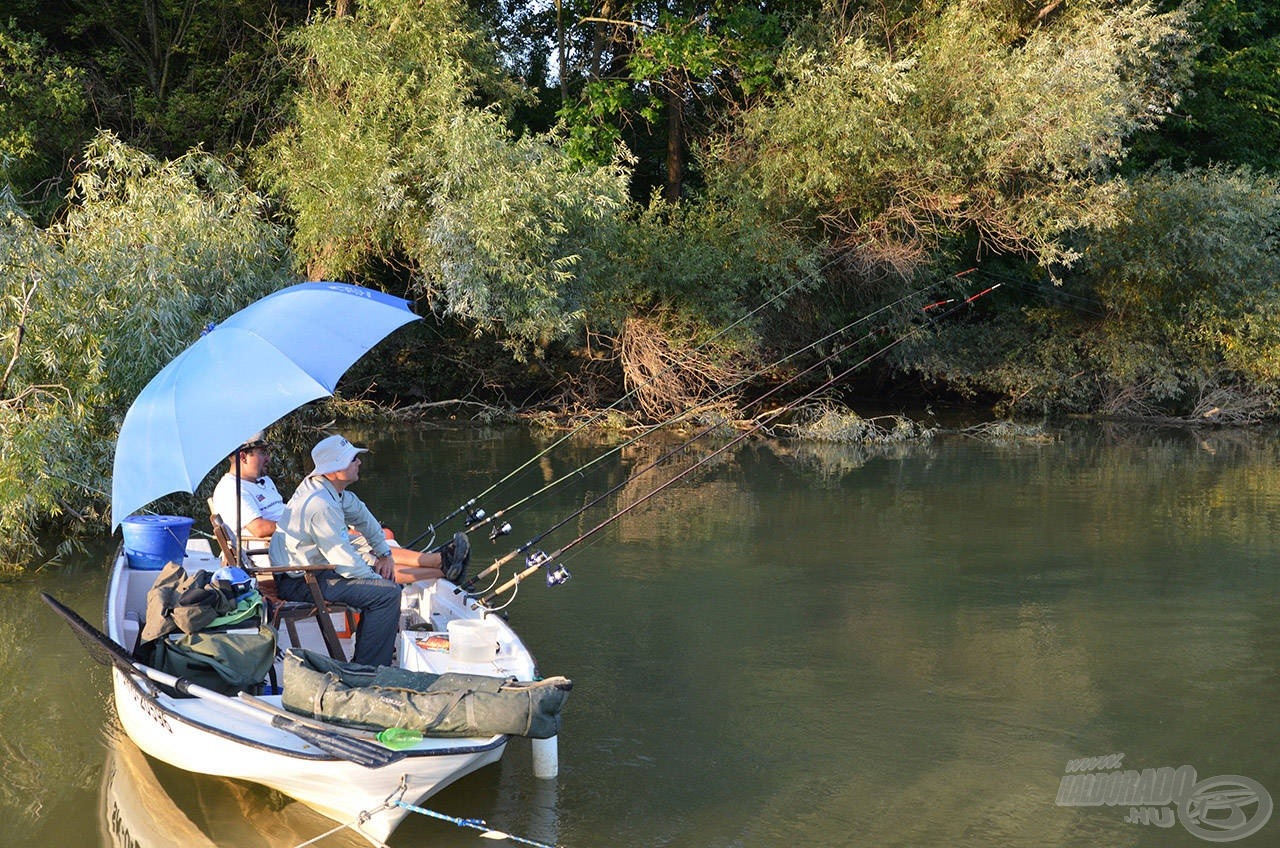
454, 557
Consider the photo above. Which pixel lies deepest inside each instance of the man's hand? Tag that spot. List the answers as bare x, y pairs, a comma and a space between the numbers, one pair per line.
385, 566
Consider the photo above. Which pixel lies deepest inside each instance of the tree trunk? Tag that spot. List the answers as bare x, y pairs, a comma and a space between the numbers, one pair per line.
675, 140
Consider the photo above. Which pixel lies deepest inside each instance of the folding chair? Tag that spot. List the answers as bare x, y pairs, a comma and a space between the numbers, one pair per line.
283, 612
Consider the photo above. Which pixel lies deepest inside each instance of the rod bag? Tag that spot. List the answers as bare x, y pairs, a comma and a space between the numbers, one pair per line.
453, 705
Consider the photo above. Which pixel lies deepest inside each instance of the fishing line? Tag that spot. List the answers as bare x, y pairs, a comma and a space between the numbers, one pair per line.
1086, 304
471, 505
540, 560
475, 514
504, 528
681, 446
355, 826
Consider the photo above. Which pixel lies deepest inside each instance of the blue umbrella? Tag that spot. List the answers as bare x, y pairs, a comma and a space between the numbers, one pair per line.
260, 364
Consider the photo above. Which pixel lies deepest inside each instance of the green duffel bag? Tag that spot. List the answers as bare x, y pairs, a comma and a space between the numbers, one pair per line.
226, 662
455, 705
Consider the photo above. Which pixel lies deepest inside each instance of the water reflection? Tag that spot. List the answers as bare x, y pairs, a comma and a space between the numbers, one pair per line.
145, 804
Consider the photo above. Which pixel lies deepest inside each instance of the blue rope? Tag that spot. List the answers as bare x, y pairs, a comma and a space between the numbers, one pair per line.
474, 824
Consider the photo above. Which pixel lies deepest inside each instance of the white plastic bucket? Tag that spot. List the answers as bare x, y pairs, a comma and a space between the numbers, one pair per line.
473, 640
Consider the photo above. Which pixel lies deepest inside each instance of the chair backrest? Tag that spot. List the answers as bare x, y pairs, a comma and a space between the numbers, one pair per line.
230, 546
227, 546
233, 553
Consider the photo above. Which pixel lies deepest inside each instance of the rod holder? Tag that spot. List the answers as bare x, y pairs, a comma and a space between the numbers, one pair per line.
546, 757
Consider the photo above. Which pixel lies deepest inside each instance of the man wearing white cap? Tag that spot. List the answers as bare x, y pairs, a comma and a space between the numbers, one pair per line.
313, 530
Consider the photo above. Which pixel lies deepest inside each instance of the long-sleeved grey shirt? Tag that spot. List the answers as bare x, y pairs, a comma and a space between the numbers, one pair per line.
312, 530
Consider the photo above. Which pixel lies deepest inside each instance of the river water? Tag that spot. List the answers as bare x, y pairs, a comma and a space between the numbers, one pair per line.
797, 645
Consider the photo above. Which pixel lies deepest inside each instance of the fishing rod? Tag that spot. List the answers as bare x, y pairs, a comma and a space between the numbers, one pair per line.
1056, 295
560, 575
498, 563
505, 528
475, 513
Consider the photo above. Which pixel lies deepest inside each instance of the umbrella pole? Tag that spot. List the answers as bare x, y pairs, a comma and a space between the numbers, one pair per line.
240, 529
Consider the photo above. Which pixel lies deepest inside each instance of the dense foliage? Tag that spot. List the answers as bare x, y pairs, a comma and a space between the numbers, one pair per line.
658, 201
148, 253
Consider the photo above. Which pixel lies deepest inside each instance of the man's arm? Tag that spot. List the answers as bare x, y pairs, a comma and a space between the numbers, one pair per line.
260, 527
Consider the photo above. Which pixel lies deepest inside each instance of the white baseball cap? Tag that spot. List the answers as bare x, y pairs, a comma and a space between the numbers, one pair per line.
334, 454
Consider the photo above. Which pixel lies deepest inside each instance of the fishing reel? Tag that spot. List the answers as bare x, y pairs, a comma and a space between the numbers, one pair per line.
475, 515
499, 530
556, 575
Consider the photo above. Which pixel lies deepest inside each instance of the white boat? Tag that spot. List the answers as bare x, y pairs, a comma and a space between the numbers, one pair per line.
217, 735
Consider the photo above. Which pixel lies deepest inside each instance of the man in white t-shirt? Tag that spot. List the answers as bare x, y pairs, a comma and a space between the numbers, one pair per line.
260, 502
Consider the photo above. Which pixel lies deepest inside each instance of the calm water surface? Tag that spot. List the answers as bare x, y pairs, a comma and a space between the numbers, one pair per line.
800, 645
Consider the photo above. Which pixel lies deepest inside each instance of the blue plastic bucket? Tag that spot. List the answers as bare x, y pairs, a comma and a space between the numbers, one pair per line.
152, 541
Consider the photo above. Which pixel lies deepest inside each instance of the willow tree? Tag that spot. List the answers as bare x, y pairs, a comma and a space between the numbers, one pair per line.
149, 252
1172, 312
1188, 284
978, 121
398, 153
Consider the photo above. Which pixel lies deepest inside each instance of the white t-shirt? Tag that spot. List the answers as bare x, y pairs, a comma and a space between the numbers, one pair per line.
258, 499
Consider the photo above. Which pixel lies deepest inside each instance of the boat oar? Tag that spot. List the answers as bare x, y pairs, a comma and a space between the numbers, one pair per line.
107, 652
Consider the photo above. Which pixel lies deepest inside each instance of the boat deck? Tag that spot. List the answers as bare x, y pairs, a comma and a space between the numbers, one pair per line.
423, 646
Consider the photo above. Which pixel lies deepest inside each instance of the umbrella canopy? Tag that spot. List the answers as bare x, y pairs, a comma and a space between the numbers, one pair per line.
260, 364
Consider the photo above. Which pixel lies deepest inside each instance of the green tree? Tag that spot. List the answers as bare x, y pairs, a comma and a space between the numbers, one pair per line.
169, 75
1232, 113
390, 160
971, 126
92, 307
41, 104
664, 77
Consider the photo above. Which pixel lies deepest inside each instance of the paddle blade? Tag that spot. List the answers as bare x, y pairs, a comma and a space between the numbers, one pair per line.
102, 649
